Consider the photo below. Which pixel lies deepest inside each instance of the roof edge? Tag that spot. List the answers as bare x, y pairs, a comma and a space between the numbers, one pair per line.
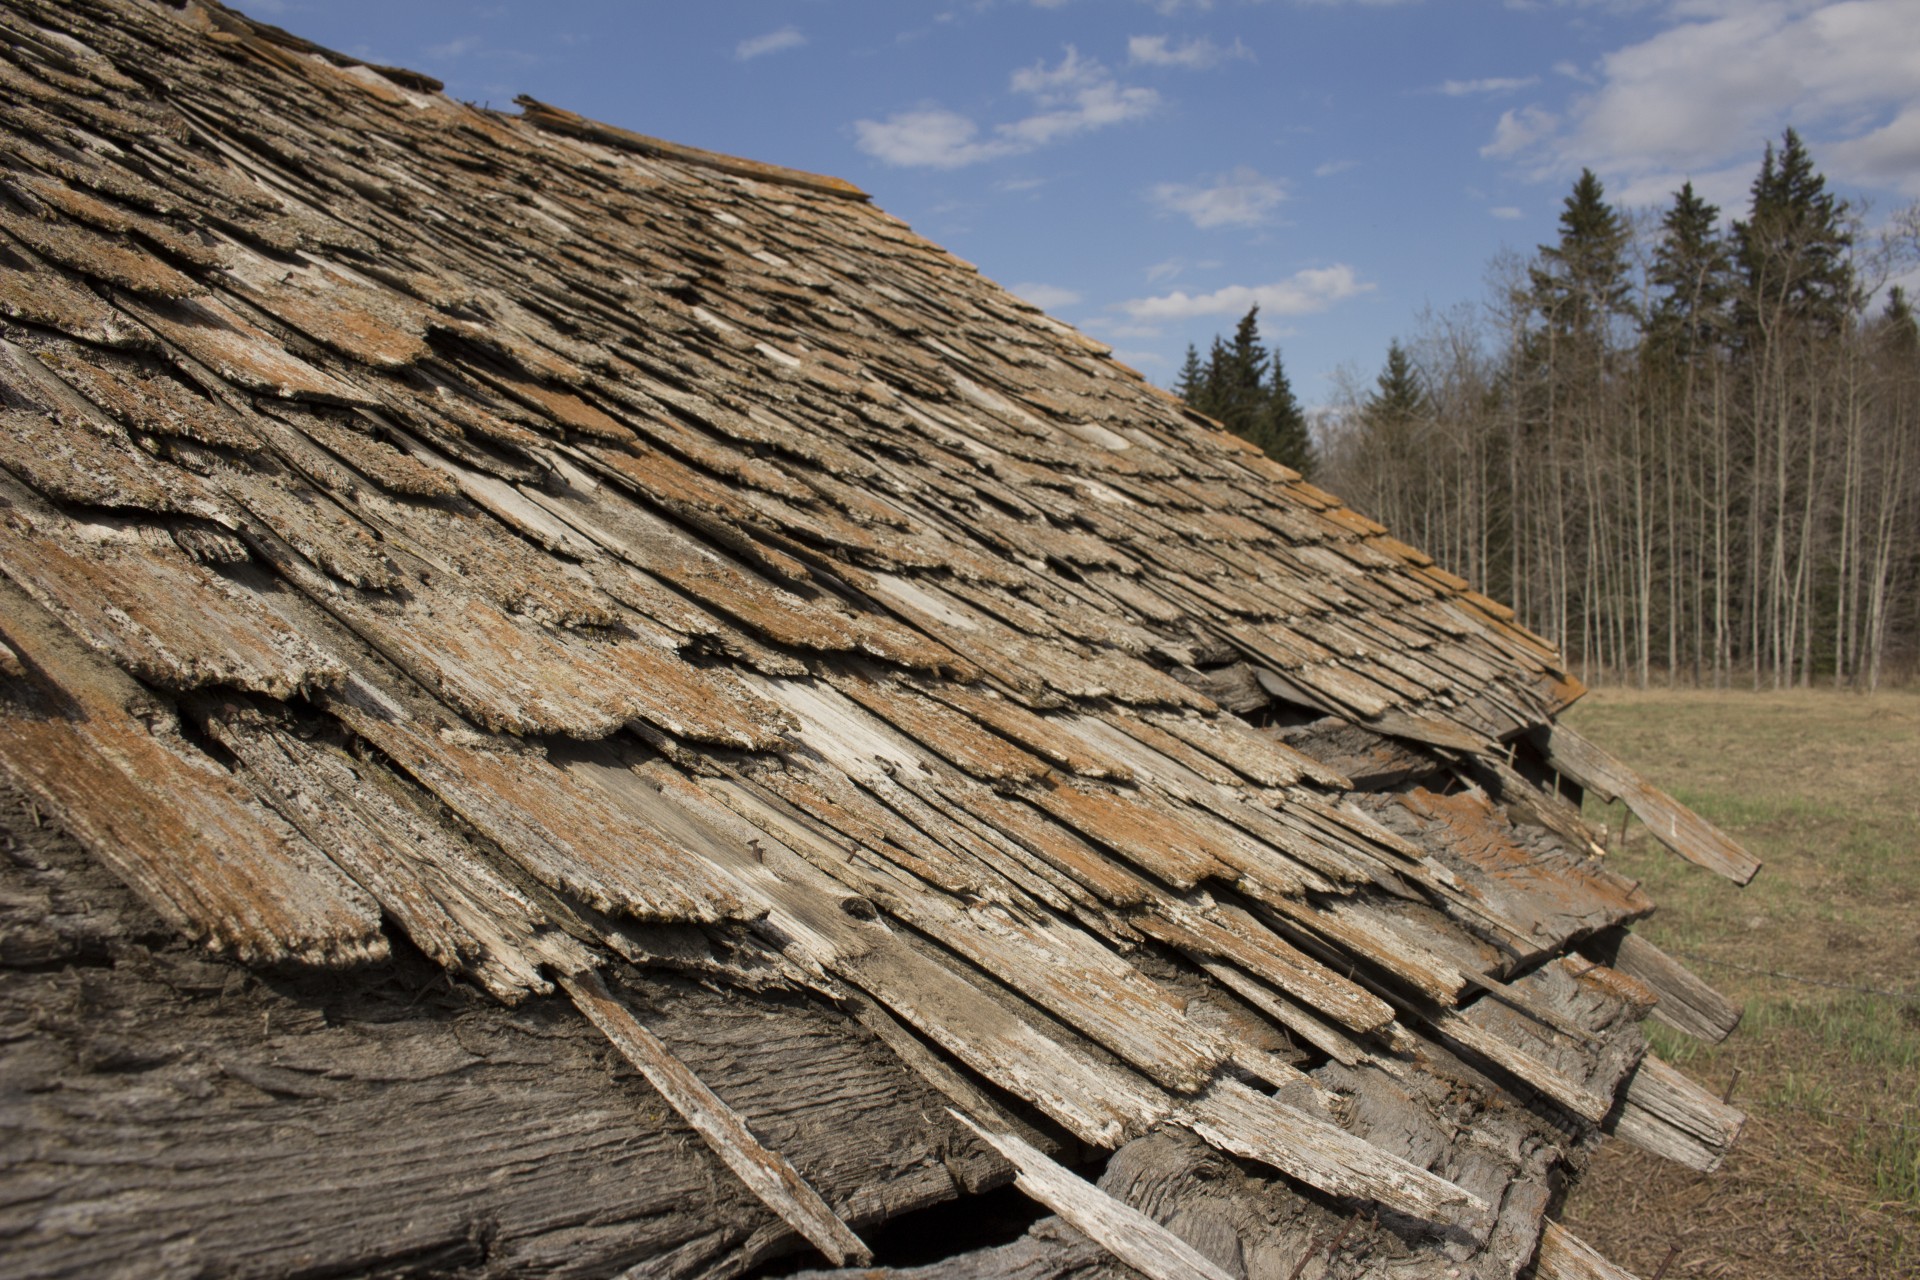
559, 120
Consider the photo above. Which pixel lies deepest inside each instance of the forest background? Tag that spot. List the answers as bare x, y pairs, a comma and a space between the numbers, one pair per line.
1688, 451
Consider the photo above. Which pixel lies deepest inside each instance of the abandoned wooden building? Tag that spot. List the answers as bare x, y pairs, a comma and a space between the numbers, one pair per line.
573, 706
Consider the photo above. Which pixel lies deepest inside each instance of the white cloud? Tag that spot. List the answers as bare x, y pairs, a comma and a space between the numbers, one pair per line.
1242, 198
1507, 212
1302, 293
931, 138
1195, 55
1077, 96
1332, 167
771, 42
1520, 129
1047, 297
1703, 93
1491, 84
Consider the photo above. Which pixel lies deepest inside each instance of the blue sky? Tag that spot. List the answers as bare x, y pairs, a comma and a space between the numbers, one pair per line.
1146, 169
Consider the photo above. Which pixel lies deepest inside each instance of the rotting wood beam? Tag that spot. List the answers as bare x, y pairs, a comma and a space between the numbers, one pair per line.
766, 1172
1565, 1256
1114, 1225
1672, 823
1687, 1003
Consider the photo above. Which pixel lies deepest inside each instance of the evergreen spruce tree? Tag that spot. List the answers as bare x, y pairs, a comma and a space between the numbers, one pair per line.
1192, 377
1244, 387
1398, 399
1690, 269
1582, 281
1287, 438
1792, 247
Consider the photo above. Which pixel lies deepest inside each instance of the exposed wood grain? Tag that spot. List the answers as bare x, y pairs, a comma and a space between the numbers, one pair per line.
1565, 1256
1672, 823
1116, 1226
767, 1173
1686, 1003
1234, 1118
1664, 1112
169, 821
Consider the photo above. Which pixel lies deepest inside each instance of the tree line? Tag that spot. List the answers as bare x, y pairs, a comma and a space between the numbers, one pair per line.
1685, 449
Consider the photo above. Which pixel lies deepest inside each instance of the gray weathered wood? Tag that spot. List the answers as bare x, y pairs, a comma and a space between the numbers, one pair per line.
1672, 823
1116, 1226
1664, 1112
1565, 1256
1234, 1118
770, 1175
1686, 1002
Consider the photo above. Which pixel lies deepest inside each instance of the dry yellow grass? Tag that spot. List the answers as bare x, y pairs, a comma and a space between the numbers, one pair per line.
1823, 950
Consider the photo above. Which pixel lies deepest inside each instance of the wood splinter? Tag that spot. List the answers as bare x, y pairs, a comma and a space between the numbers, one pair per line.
1114, 1225
767, 1173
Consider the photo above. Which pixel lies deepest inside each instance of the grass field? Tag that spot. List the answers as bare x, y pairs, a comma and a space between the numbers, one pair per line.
1823, 951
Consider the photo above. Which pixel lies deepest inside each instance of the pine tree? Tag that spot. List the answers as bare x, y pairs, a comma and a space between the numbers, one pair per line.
1244, 387
1690, 269
1792, 247
1398, 398
1582, 281
1191, 378
1287, 437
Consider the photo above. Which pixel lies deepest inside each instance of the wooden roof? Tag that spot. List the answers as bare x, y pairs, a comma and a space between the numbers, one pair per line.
591, 559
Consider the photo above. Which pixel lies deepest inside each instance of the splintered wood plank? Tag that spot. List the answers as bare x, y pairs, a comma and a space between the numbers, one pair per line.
243, 353
995, 1035
1116, 1226
766, 1172
1255, 756
1236, 1119
1373, 937
957, 738
516, 676
1125, 822
1672, 823
159, 615
1220, 932
1049, 739
1542, 892
454, 907
1565, 1256
568, 837
1666, 1113
90, 743
1058, 967
1686, 1002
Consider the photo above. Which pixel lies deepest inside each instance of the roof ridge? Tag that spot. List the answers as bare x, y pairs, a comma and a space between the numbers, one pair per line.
560, 120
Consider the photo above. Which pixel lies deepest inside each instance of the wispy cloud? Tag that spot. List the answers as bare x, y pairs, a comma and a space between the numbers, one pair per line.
1332, 167
1242, 198
1507, 212
1173, 268
1491, 84
458, 47
1047, 297
772, 42
1518, 130
1194, 55
1302, 293
1077, 96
